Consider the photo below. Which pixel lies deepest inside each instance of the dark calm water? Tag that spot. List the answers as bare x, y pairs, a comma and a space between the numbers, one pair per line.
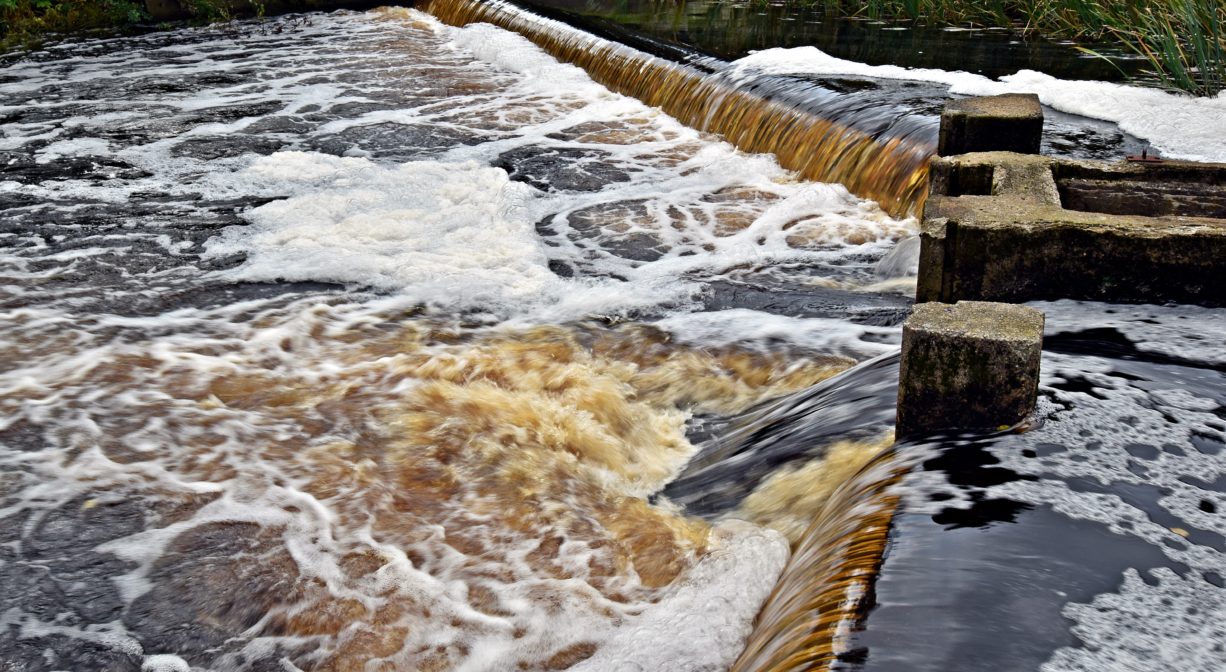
730, 30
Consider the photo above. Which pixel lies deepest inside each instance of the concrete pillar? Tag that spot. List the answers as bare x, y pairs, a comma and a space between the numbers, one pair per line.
1012, 122
970, 365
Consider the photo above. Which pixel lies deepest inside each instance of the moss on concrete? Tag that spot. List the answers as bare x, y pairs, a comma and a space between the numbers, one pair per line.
1011, 122
1014, 238
971, 365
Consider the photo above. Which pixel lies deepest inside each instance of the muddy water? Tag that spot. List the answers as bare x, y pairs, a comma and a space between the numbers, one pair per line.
361, 342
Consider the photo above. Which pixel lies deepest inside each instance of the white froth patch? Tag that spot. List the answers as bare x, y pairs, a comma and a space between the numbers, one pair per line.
1178, 624
1179, 331
1181, 126
513, 52
703, 620
747, 327
164, 663
453, 234
77, 147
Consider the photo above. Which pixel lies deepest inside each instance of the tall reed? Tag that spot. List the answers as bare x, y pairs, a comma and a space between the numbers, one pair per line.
1184, 41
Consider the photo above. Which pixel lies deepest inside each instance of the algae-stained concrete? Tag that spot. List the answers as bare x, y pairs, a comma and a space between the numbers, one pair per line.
1009, 227
970, 365
1011, 122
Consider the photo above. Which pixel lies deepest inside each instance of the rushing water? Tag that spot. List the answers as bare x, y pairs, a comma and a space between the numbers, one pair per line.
360, 341
216, 452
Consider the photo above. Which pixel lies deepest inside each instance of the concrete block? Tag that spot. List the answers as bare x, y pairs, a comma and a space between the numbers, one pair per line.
1012, 122
970, 365
1010, 227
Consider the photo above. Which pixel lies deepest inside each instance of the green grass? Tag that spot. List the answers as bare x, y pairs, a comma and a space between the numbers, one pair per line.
1184, 41
26, 23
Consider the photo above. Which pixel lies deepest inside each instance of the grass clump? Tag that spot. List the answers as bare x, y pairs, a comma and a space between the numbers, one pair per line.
25, 23
1184, 41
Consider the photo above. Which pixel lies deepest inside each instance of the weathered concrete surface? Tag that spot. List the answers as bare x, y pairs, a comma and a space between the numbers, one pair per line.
1012, 122
971, 365
1008, 227
1169, 188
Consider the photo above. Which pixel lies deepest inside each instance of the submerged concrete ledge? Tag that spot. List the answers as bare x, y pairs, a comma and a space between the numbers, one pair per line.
1000, 226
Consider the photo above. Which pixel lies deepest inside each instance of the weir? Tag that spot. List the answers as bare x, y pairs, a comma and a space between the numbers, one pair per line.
365, 342
891, 171
826, 586
822, 592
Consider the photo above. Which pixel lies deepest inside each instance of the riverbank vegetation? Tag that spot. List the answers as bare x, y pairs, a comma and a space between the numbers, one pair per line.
24, 23
1184, 41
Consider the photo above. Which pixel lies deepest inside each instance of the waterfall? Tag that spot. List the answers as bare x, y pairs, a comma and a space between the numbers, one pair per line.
891, 170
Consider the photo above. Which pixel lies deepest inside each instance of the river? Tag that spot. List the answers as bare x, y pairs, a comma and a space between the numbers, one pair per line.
360, 341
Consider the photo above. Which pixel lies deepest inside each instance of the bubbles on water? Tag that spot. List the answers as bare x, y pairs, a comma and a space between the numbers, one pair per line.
1170, 621
164, 663
231, 463
1119, 447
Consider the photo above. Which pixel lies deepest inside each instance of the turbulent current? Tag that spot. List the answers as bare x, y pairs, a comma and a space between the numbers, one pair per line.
218, 454
363, 342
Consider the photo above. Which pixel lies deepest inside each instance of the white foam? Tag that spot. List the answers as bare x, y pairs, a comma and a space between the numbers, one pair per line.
456, 234
1178, 331
75, 147
751, 327
1178, 624
164, 662
1175, 622
514, 53
702, 621
1181, 126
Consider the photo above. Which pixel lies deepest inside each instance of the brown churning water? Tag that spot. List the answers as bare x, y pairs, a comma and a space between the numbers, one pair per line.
891, 171
348, 480
824, 590
804, 623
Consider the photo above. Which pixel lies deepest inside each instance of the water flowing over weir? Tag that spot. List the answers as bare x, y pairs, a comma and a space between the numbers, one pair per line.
300, 362
889, 170
824, 589
361, 341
